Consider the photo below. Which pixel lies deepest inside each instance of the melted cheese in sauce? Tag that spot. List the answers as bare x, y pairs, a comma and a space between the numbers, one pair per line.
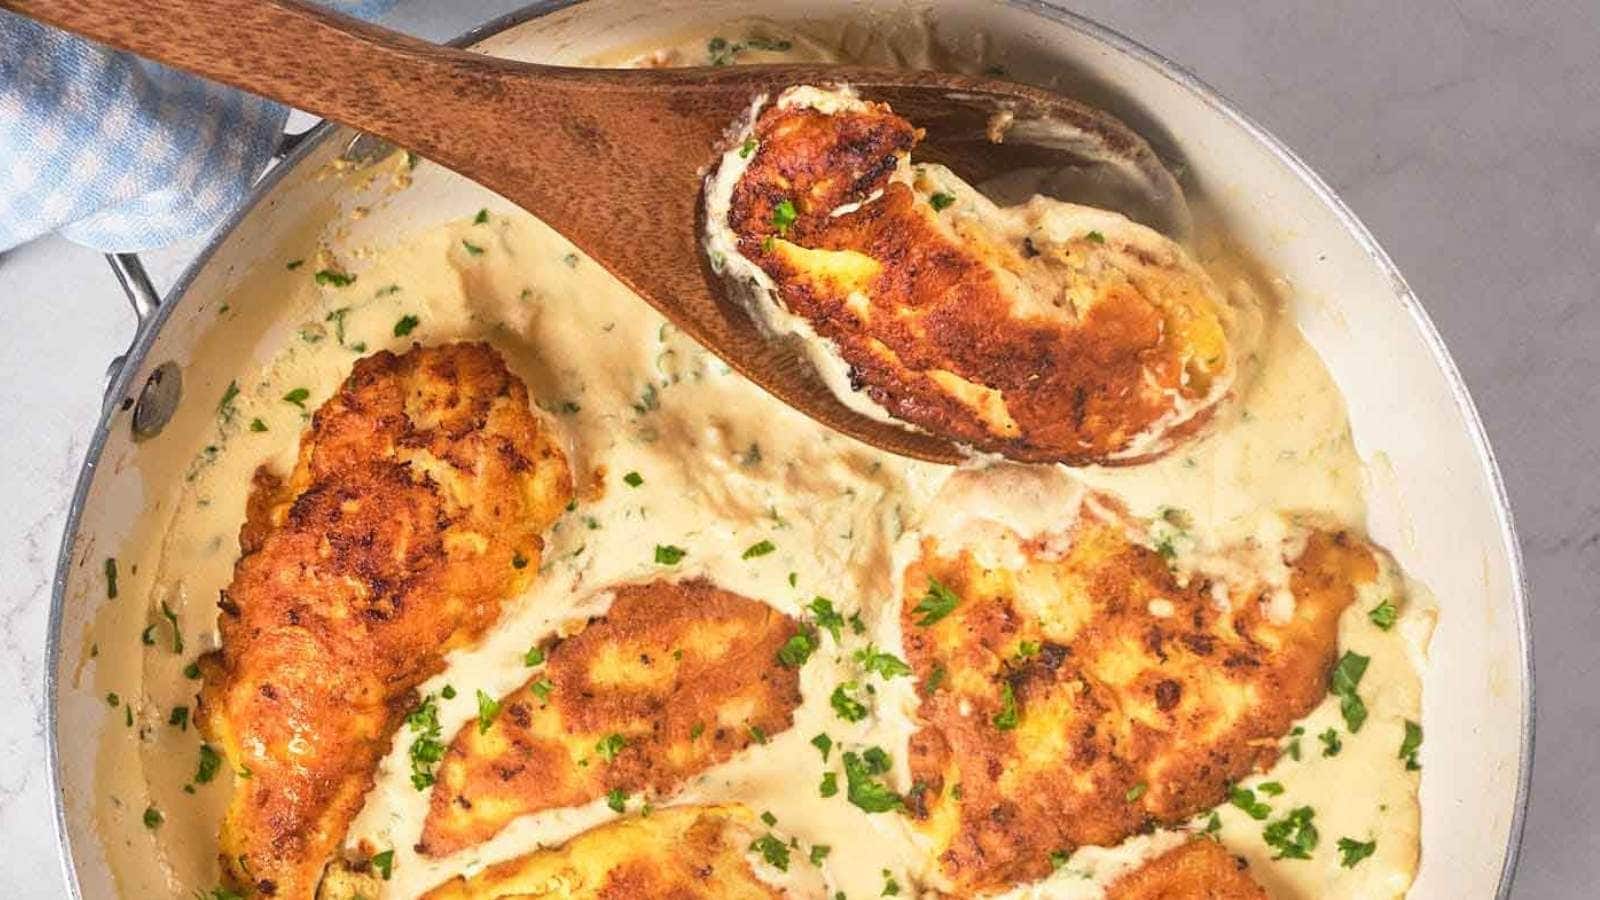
723, 467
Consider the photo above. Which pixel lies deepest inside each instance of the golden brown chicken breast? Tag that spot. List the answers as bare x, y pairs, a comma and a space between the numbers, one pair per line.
416, 507
1047, 332
675, 678
1076, 690
682, 853
1198, 869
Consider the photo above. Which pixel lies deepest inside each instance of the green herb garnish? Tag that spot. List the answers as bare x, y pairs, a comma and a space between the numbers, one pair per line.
334, 278
1346, 676
1410, 745
488, 709
1383, 615
796, 650
886, 665
774, 851
406, 325
941, 200
938, 602
298, 397
759, 548
1293, 836
862, 787
848, 708
668, 555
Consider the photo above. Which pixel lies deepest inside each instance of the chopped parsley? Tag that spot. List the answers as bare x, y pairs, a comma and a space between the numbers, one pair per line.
153, 818
769, 818
938, 602
1095, 237
426, 748
668, 555
617, 800
257, 425
1346, 675
862, 788
886, 665
633, 479
1270, 788
1331, 744
111, 578
797, 650
848, 708
819, 852
1245, 799
481, 217
823, 743
334, 278
179, 717
1353, 851
774, 851
783, 215
827, 617
406, 325
747, 148
293, 264
383, 863
298, 397
941, 200
1293, 836
1009, 714
935, 678
542, 689
830, 784
177, 633
609, 746
1135, 792
471, 248
696, 730
891, 887
533, 657
488, 709
759, 548
1293, 747
1383, 615
208, 767
1058, 858
225, 405
1411, 745
191, 671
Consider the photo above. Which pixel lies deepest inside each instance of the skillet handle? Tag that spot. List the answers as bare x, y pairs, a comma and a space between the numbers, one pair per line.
162, 388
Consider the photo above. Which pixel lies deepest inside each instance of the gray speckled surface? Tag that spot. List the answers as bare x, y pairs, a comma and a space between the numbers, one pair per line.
1466, 134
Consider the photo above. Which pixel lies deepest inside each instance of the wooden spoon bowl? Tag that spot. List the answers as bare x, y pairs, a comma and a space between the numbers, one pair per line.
615, 159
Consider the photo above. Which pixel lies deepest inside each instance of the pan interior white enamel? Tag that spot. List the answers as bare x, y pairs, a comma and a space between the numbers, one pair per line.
1431, 497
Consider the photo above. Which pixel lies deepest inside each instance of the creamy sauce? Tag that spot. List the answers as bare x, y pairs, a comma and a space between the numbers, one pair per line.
723, 467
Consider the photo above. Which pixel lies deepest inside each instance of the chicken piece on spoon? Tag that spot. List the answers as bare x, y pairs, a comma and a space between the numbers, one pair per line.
1045, 332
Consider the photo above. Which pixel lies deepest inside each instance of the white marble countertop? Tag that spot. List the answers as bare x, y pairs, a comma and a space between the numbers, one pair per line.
1466, 133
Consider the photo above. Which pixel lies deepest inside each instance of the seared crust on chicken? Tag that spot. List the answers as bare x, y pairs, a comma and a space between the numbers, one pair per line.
1069, 335
1198, 869
415, 509
682, 852
1085, 692
675, 678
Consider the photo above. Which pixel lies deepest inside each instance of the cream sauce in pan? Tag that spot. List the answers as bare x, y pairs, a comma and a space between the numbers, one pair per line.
723, 467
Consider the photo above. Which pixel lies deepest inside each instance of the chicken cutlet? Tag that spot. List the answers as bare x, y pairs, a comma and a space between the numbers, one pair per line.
415, 508
1077, 689
679, 852
1048, 332
674, 678
1197, 869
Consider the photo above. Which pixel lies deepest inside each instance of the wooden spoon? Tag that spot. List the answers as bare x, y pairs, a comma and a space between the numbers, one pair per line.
612, 159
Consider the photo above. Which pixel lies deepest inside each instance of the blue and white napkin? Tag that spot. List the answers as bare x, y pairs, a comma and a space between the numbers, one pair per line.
118, 153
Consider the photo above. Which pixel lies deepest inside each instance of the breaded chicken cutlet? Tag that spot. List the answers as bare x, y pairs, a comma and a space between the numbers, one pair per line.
1046, 333
674, 678
684, 852
1076, 690
415, 509
1197, 869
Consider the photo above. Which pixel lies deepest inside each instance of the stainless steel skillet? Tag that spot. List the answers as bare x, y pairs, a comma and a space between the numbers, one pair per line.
1406, 402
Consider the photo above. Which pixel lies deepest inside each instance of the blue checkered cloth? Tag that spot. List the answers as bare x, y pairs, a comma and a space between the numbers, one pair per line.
118, 153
